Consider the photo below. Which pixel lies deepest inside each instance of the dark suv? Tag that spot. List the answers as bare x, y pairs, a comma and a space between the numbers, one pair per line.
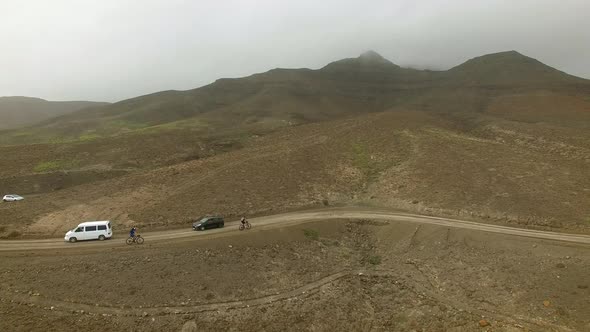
208, 222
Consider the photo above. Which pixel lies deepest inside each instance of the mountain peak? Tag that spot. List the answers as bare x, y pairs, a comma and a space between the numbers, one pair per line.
508, 68
371, 55
367, 61
507, 53
373, 58
502, 58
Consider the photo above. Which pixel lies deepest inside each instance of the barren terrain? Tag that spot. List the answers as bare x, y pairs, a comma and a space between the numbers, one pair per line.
500, 138
345, 274
383, 199
491, 170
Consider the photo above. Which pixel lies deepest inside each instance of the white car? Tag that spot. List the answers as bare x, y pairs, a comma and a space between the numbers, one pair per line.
12, 198
90, 230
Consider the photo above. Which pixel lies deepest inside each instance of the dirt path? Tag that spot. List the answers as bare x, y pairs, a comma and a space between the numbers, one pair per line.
302, 291
282, 220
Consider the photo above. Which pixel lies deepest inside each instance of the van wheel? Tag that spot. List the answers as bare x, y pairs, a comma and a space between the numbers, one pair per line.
73, 239
101, 238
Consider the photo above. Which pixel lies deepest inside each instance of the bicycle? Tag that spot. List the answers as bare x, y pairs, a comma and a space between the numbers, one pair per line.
135, 239
245, 225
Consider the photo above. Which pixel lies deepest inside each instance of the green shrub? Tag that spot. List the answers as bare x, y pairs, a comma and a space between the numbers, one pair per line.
374, 260
47, 166
361, 158
311, 234
55, 165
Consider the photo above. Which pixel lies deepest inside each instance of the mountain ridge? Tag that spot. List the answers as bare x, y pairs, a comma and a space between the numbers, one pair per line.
280, 96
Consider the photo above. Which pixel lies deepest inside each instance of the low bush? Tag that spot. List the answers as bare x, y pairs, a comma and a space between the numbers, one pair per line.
311, 234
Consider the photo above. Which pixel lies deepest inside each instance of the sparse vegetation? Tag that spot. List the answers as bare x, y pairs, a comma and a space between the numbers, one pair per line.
119, 124
367, 162
55, 165
362, 159
47, 166
311, 234
13, 234
330, 242
88, 137
374, 260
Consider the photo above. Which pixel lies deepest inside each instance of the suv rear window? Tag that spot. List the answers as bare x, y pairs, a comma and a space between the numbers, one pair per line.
102, 227
90, 228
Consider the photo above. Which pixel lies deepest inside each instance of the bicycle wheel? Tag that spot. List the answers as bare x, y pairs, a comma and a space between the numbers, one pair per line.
248, 225
129, 240
242, 227
139, 240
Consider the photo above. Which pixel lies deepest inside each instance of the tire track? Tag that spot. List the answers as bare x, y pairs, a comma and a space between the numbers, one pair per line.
295, 294
82, 308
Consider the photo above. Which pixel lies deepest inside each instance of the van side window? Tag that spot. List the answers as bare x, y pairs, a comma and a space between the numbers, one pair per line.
79, 229
102, 227
90, 228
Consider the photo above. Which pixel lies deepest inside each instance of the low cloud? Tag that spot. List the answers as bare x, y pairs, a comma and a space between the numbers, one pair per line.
113, 49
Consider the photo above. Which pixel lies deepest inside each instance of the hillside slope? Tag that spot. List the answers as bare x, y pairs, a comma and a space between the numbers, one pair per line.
358, 131
25, 111
491, 170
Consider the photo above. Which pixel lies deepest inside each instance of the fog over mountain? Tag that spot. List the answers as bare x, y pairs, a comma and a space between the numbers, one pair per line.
112, 50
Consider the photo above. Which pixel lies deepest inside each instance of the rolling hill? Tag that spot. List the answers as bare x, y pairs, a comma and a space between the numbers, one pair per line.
501, 138
25, 111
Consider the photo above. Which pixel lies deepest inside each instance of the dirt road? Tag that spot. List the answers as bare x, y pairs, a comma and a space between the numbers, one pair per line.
287, 219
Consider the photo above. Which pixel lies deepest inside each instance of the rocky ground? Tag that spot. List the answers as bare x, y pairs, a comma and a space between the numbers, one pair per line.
358, 275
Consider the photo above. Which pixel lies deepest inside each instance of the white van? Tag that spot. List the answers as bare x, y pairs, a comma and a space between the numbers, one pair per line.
91, 230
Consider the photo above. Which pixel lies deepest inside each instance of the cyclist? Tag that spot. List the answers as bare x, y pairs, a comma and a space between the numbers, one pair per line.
132, 232
243, 221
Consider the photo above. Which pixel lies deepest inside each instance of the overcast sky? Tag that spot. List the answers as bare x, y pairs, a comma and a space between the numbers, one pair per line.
110, 50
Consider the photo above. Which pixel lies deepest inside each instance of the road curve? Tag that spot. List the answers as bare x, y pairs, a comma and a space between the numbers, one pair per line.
289, 219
